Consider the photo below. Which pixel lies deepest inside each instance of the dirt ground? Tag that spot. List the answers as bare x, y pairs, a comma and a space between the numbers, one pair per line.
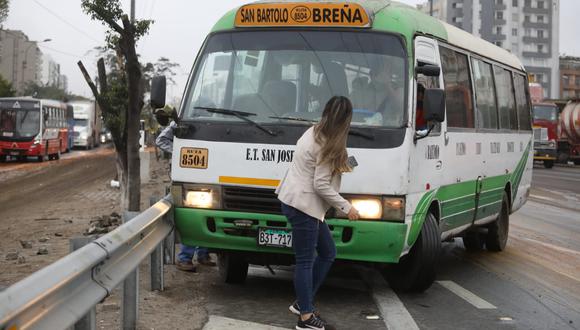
42, 206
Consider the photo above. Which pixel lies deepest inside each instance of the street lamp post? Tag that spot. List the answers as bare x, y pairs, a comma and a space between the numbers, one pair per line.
24, 63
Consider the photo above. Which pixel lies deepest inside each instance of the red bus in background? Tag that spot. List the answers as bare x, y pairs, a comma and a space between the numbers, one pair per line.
33, 128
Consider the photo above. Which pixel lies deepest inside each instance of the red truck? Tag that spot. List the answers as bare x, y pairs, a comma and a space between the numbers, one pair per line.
545, 124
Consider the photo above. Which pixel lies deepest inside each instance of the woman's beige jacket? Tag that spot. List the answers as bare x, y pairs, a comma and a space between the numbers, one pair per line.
308, 185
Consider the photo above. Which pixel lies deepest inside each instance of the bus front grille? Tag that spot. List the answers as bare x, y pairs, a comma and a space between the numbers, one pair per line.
251, 200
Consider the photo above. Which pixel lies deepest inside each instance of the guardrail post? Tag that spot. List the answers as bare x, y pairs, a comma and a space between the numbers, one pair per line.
89, 321
130, 306
156, 262
169, 241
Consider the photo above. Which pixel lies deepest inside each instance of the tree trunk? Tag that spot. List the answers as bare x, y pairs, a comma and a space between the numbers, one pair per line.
133, 117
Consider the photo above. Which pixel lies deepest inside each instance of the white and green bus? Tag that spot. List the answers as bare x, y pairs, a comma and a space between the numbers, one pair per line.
456, 163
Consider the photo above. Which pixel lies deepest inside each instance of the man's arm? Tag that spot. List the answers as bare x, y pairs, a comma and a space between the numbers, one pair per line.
165, 139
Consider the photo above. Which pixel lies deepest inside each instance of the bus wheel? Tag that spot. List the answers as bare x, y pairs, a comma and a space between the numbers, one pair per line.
577, 162
233, 268
57, 155
497, 234
548, 163
473, 241
2, 158
416, 271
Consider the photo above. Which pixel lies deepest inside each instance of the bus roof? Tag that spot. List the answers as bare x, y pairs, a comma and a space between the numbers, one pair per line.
392, 16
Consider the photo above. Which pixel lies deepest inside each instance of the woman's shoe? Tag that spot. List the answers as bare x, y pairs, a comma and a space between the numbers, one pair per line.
313, 323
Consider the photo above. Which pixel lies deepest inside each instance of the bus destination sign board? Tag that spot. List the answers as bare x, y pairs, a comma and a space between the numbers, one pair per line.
302, 14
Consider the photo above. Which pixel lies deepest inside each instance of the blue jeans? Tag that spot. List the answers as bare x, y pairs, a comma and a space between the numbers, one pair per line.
187, 252
309, 235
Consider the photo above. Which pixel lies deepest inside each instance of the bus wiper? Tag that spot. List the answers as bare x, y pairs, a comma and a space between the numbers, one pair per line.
293, 118
360, 133
240, 114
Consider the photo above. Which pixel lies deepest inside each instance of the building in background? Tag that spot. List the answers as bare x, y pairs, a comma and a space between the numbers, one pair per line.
527, 28
570, 77
20, 59
50, 71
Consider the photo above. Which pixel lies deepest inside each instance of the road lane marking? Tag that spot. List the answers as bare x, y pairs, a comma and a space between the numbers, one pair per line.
466, 295
225, 323
395, 315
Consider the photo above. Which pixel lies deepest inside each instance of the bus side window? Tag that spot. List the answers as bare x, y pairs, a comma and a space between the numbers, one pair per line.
522, 104
505, 98
458, 91
486, 96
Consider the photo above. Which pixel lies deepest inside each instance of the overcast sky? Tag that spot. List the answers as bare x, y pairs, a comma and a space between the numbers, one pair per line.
179, 29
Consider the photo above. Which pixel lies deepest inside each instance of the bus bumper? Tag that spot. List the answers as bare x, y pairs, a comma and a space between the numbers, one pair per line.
372, 241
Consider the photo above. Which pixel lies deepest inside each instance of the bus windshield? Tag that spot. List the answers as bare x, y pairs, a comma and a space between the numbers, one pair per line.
19, 123
545, 112
288, 76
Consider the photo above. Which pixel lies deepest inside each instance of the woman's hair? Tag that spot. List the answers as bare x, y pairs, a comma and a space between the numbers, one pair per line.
332, 132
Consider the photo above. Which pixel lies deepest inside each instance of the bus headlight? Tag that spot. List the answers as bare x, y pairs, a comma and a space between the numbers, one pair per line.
202, 196
368, 208
377, 207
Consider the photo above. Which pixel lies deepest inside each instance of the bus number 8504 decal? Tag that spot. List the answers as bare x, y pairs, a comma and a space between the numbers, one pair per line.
193, 158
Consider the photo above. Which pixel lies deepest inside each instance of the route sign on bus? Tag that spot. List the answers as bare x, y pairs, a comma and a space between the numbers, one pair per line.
302, 14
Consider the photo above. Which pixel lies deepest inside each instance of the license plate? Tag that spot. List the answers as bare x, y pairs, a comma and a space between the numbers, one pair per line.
276, 237
193, 158
14, 153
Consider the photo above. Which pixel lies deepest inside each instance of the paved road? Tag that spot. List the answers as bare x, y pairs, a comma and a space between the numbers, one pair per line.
534, 284
559, 178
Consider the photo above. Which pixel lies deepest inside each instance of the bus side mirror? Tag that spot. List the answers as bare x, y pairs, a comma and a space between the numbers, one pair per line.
158, 86
428, 70
434, 105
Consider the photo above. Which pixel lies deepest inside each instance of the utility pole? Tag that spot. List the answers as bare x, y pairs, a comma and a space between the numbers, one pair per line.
132, 11
430, 7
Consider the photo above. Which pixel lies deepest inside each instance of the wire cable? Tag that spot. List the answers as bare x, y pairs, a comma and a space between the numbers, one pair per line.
67, 23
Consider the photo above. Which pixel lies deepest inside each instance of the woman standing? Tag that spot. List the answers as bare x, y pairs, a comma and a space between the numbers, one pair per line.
309, 189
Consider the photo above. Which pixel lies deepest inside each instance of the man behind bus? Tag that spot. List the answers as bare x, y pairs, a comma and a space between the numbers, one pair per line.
186, 252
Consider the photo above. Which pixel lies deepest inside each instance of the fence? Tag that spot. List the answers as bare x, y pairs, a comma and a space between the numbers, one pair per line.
66, 292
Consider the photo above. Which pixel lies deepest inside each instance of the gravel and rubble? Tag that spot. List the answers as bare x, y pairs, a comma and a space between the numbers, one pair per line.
41, 211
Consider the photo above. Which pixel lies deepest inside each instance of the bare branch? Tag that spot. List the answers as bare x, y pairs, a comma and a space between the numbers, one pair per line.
88, 79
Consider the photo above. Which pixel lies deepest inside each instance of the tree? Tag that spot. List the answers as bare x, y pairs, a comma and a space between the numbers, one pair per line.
4, 8
121, 96
6, 89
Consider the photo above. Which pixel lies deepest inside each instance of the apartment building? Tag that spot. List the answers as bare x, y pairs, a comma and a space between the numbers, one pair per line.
527, 28
20, 59
570, 77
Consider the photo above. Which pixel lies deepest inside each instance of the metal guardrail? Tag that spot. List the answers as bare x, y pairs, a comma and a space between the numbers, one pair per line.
60, 294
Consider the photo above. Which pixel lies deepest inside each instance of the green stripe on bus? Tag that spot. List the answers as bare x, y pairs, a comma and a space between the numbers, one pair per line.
458, 200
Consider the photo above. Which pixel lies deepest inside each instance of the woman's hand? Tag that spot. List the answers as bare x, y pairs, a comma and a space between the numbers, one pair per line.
353, 214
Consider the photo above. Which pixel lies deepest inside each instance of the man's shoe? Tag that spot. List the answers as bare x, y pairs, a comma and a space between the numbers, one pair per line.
206, 262
185, 266
313, 323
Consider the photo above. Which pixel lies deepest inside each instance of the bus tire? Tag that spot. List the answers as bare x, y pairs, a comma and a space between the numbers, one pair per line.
473, 241
548, 163
233, 268
57, 155
2, 158
498, 231
416, 271
576, 162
